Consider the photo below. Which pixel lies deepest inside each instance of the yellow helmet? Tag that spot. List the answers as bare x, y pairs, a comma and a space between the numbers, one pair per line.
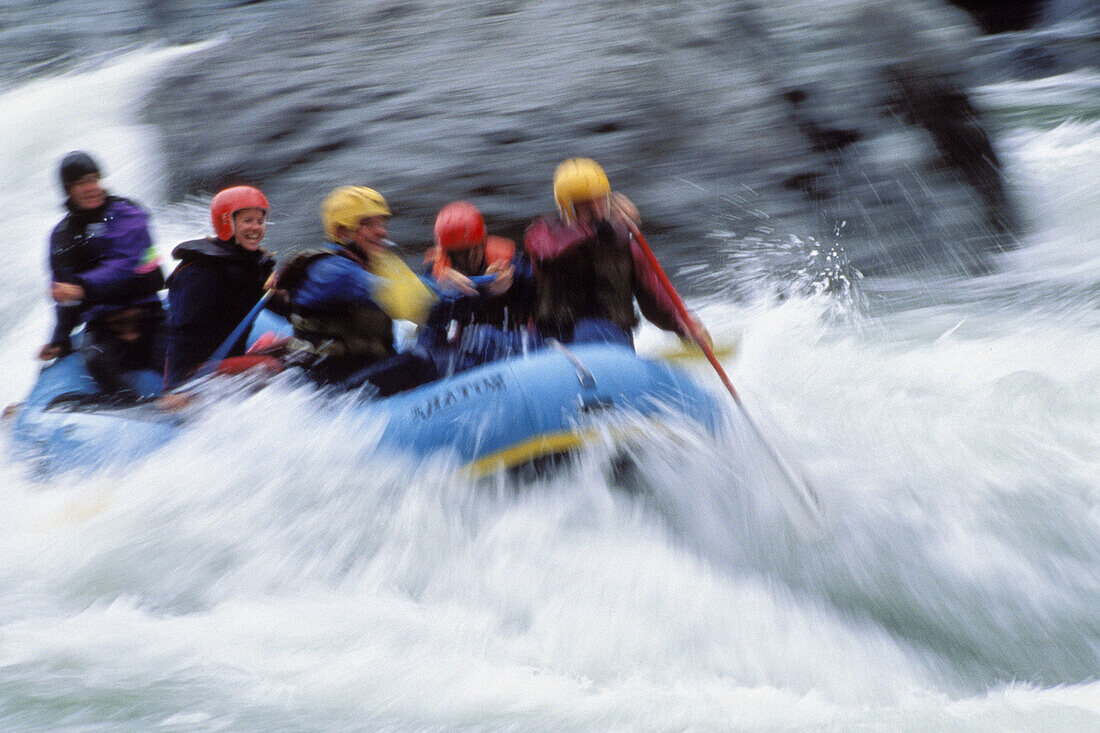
348, 205
578, 179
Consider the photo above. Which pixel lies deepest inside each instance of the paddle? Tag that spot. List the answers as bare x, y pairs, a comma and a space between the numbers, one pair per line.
476, 280
809, 502
688, 351
242, 328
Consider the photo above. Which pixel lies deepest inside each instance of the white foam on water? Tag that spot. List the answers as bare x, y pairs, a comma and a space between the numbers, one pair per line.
275, 569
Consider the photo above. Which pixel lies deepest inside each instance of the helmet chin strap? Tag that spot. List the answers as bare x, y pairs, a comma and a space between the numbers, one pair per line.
359, 251
347, 241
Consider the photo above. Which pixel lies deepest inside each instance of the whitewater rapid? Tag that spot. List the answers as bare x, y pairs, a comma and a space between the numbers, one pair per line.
273, 570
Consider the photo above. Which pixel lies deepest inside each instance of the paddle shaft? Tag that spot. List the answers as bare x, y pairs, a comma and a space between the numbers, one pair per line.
681, 309
810, 502
242, 328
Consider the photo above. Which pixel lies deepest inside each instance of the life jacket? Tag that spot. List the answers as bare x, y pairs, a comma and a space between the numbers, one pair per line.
581, 275
244, 269
353, 335
214, 286
497, 250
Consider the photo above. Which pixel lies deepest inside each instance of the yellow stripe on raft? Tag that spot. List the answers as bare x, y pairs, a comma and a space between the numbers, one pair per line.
528, 450
561, 442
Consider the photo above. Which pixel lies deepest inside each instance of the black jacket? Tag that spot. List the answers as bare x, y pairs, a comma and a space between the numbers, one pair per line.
212, 289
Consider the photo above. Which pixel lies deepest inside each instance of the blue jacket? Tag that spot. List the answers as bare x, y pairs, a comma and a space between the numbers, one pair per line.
334, 283
333, 309
212, 289
334, 301
107, 251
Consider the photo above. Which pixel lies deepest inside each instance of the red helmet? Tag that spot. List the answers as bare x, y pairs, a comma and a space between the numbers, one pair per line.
459, 226
229, 202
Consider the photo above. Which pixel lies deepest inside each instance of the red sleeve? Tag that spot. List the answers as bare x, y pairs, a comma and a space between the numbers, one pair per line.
656, 304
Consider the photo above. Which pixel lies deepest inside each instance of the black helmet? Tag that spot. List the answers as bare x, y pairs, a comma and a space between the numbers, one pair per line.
75, 166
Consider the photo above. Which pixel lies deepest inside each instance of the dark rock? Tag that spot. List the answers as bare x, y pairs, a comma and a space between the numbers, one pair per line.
1064, 38
790, 117
429, 102
998, 16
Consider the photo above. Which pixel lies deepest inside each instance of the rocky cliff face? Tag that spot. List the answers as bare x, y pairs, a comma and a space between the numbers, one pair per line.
765, 120
789, 119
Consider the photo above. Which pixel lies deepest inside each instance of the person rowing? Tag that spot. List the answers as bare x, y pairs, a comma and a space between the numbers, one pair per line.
105, 272
217, 281
588, 270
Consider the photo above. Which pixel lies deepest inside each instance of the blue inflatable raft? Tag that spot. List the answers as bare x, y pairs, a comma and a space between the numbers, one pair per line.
497, 416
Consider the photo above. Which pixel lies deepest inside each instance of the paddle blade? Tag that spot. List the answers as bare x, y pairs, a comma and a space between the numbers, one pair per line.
688, 351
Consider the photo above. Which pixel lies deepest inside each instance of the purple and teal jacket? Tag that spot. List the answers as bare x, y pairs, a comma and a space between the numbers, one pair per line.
107, 251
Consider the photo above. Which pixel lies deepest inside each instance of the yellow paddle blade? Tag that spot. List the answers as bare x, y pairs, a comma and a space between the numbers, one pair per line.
402, 295
690, 351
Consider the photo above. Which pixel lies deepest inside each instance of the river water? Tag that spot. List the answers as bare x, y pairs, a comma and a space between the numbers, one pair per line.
273, 570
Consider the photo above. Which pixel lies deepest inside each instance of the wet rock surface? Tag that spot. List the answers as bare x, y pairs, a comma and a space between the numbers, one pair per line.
766, 121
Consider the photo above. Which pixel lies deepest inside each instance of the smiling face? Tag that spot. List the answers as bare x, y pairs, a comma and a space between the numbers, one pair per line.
86, 193
249, 226
368, 236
